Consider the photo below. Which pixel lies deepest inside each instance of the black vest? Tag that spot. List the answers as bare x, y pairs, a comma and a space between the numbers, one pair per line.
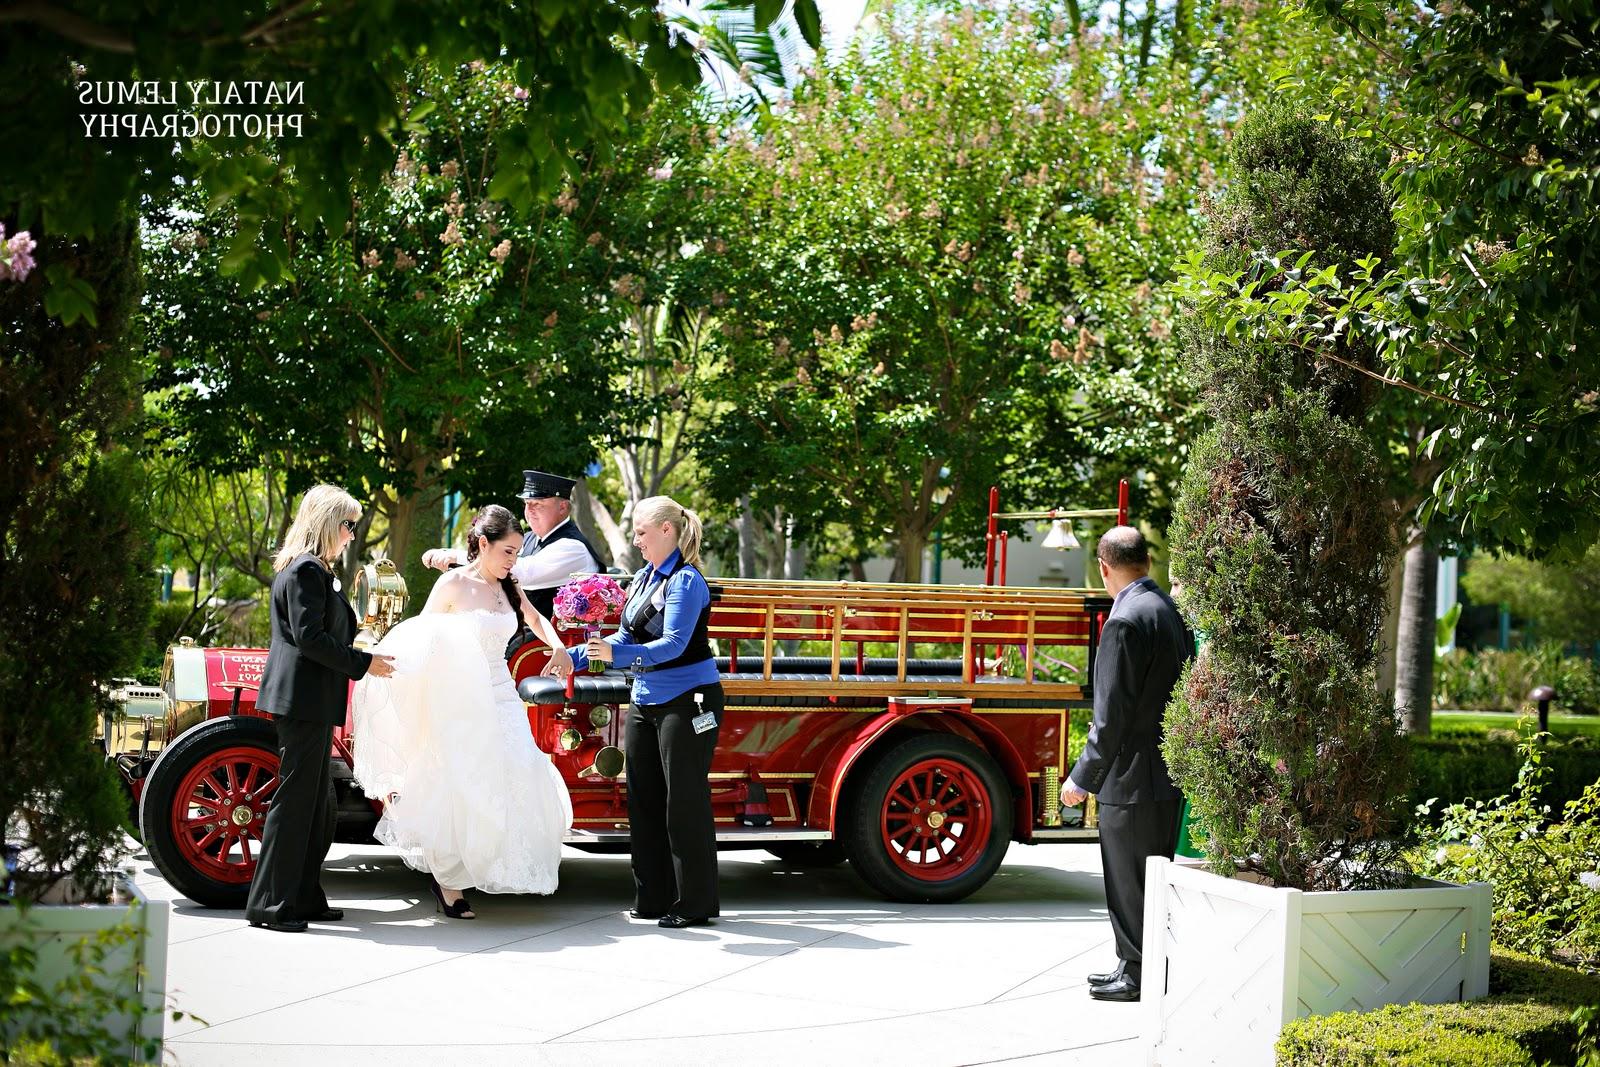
545, 599
642, 621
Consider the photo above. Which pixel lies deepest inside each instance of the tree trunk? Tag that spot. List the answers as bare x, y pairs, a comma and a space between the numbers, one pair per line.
908, 555
747, 538
1413, 693
616, 535
416, 524
1391, 625
778, 543
794, 560
584, 514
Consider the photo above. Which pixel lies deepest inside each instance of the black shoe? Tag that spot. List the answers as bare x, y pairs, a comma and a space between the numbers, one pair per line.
678, 922
635, 913
1123, 989
327, 915
286, 926
1110, 976
461, 909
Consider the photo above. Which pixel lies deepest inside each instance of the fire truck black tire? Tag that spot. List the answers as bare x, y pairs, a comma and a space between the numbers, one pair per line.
808, 853
863, 836
167, 773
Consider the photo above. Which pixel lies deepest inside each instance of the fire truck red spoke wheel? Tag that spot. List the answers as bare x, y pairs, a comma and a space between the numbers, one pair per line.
928, 818
205, 804
226, 790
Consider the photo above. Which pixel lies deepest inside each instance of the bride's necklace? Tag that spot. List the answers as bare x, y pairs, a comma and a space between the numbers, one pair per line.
496, 592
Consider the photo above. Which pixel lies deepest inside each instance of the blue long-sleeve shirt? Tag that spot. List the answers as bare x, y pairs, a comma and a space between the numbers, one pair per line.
687, 596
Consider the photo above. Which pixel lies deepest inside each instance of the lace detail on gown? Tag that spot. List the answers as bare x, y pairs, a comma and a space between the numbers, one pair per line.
480, 805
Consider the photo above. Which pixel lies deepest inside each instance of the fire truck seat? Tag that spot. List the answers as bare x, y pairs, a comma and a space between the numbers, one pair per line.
613, 688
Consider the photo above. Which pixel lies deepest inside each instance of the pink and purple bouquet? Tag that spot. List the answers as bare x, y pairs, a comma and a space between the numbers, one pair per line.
589, 600
592, 598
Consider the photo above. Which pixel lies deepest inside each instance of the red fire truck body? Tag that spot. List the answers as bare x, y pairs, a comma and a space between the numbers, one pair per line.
923, 738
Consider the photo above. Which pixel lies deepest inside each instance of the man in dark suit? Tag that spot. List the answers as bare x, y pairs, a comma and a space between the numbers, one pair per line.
553, 549
1143, 647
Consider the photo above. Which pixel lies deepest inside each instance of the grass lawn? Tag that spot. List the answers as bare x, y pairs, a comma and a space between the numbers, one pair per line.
1479, 722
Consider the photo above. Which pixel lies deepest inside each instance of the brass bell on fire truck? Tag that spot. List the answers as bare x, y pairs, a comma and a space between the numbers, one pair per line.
380, 597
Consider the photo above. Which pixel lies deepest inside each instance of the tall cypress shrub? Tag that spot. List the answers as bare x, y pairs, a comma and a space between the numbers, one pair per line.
75, 575
1281, 538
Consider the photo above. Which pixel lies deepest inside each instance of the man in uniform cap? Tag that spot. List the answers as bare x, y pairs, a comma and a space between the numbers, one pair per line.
553, 549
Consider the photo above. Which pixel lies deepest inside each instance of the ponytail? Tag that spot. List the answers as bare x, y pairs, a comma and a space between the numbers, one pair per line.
691, 532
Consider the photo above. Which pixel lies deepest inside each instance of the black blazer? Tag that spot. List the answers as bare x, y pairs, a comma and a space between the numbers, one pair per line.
311, 661
1143, 647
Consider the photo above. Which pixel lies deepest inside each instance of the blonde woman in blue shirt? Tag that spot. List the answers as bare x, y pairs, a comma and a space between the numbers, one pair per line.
676, 715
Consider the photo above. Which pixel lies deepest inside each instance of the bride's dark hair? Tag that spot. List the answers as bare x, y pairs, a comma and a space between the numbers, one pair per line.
492, 523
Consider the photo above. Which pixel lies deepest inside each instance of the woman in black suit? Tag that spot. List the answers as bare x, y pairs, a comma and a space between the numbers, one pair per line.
306, 685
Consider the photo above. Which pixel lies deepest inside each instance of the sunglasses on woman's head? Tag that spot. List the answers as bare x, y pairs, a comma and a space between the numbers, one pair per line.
348, 524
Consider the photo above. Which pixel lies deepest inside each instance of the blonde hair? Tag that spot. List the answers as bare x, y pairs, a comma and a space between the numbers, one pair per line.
316, 525
686, 523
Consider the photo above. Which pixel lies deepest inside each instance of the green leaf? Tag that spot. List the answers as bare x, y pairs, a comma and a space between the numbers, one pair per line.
766, 11
809, 21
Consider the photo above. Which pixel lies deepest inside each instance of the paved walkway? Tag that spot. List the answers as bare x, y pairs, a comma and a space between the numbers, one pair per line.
805, 966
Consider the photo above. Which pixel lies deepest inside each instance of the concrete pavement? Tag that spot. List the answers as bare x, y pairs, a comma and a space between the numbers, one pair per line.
804, 966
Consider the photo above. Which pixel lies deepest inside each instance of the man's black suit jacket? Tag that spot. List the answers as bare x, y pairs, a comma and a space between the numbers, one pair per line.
1143, 647
310, 662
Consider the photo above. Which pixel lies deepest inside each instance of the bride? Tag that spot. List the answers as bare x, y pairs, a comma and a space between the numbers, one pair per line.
444, 742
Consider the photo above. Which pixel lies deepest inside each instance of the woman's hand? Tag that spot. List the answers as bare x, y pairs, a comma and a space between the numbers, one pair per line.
598, 650
382, 666
560, 663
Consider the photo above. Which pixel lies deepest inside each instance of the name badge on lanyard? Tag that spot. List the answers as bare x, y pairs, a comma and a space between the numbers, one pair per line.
704, 722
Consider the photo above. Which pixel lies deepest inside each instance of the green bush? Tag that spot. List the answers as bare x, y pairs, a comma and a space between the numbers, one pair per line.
1544, 873
1495, 680
69, 1024
1458, 768
1398, 1036
76, 579
1527, 1019
1289, 756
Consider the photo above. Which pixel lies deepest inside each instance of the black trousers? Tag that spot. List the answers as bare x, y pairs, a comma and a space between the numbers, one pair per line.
1130, 834
669, 806
287, 883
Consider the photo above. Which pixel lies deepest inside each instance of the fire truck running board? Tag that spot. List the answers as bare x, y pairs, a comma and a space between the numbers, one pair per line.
753, 835
1042, 835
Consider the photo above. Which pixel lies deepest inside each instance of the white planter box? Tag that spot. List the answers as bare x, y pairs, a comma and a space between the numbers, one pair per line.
138, 966
1228, 961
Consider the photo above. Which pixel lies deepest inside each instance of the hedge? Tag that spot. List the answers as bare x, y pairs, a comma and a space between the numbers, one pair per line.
1454, 769
1525, 1021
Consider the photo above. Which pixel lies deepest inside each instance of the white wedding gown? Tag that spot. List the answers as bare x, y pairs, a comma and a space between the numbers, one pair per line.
480, 806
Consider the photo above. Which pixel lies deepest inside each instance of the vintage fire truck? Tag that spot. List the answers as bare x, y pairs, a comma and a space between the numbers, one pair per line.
926, 738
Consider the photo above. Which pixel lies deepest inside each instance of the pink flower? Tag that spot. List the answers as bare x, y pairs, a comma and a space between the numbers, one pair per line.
520, 93
592, 598
16, 255
501, 251
661, 174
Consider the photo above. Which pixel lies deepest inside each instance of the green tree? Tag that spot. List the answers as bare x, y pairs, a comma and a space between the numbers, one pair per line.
441, 342
75, 590
1489, 114
585, 69
1562, 600
960, 222
1282, 537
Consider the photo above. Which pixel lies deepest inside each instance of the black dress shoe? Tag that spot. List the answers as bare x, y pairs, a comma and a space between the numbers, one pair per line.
287, 926
635, 913
1108, 977
678, 922
327, 915
1123, 989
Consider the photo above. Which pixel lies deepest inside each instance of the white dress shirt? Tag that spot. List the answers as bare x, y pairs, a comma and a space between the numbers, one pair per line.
550, 566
